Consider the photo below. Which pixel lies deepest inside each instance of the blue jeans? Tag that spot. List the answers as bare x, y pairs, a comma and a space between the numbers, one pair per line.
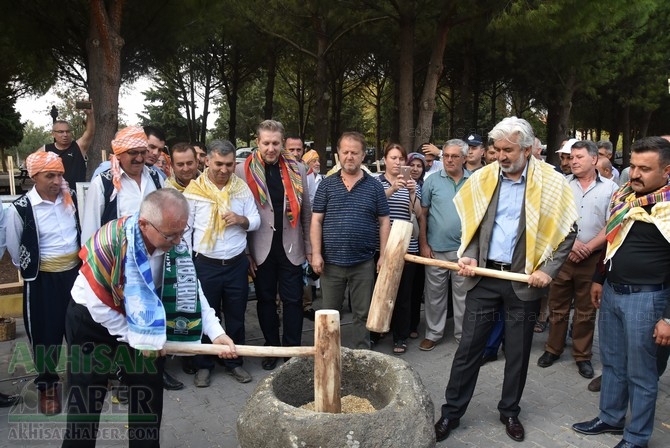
628, 353
497, 334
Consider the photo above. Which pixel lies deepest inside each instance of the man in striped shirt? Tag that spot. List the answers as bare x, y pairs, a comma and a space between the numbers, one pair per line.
350, 220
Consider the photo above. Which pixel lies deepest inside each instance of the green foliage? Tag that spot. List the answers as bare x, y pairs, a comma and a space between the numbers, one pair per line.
524, 57
11, 129
34, 137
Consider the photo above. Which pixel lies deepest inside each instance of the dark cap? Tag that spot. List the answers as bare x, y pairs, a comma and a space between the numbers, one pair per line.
474, 140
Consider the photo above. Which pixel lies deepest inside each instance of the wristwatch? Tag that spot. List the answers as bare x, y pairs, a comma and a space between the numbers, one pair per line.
666, 320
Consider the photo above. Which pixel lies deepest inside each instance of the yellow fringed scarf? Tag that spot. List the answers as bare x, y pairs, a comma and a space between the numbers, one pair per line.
550, 208
659, 216
203, 189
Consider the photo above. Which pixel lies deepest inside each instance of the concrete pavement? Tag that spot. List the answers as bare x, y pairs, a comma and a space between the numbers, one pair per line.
554, 399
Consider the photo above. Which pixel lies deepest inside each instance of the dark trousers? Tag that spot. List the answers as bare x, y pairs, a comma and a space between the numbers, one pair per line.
278, 274
93, 352
481, 305
417, 296
226, 288
400, 320
497, 334
45, 302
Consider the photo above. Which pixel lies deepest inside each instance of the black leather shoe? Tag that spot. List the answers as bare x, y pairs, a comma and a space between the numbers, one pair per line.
626, 444
596, 426
547, 359
8, 400
187, 365
513, 428
489, 358
309, 314
585, 369
269, 363
171, 383
444, 426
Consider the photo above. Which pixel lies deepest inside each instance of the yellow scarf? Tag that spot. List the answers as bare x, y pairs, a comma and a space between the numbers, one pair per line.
203, 189
659, 216
172, 182
550, 208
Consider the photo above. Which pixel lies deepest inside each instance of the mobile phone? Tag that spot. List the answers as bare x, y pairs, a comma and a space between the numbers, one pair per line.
82, 105
404, 170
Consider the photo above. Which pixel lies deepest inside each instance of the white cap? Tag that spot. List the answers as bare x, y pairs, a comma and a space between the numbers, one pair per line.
567, 147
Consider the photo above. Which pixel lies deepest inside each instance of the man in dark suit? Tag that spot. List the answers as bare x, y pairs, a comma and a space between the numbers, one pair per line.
280, 246
531, 230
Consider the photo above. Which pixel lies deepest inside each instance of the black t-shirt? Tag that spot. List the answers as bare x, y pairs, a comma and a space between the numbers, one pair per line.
73, 162
643, 258
276, 190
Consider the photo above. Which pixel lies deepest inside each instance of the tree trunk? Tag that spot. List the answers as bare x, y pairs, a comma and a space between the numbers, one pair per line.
644, 124
202, 131
494, 98
271, 68
321, 127
233, 97
103, 48
336, 99
406, 77
558, 118
427, 103
462, 108
627, 140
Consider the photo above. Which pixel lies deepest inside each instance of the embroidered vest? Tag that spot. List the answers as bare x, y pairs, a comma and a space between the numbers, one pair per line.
110, 211
29, 257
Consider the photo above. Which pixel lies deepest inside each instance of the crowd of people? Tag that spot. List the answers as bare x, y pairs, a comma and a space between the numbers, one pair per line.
169, 242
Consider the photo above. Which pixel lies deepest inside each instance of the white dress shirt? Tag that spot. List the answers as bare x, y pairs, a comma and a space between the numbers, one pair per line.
128, 200
56, 228
116, 323
234, 239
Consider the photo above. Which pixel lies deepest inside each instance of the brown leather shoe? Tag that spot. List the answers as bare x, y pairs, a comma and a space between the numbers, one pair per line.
513, 428
594, 386
427, 345
50, 401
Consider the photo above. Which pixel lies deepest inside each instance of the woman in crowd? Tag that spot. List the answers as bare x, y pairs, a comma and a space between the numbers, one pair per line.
417, 163
401, 193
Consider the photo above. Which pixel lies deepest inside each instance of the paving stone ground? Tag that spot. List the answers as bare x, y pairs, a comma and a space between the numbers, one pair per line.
554, 399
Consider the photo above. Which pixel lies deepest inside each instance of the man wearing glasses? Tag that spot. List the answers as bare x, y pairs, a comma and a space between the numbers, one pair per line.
118, 191
73, 153
222, 211
106, 321
439, 238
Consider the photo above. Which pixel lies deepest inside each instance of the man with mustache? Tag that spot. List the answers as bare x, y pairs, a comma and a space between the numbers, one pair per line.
516, 215
119, 190
222, 211
632, 291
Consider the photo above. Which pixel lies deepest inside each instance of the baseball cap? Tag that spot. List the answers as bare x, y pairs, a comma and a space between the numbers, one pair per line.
567, 147
474, 140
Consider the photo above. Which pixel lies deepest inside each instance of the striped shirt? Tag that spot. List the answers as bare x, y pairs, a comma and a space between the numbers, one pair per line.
399, 208
351, 219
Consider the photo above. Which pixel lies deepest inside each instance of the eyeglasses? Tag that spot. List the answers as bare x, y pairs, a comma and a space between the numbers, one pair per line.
134, 153
174, 235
